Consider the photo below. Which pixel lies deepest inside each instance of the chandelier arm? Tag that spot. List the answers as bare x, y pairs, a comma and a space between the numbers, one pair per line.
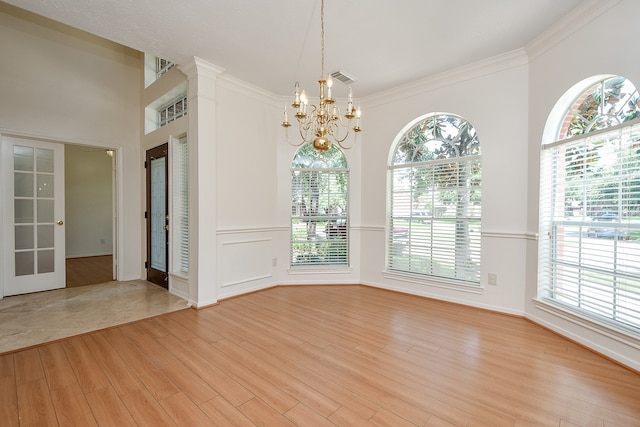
348, 147
306, 125
286, 135
304, 136
334, 129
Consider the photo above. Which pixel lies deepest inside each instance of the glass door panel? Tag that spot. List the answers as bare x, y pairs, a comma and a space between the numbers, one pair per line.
157, 216
35, 253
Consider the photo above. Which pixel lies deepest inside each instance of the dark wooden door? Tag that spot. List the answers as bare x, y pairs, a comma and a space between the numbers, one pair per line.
157, 215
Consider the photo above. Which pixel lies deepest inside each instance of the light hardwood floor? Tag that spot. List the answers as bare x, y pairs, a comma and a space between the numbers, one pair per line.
318, 356
89, 270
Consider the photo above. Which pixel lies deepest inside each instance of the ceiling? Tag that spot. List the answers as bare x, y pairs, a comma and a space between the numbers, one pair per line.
273, 43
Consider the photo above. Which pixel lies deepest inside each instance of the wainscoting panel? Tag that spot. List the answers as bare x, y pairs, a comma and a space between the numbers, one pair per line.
243, 261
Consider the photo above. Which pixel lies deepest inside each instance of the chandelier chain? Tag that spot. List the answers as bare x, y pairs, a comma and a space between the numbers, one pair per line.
322, 35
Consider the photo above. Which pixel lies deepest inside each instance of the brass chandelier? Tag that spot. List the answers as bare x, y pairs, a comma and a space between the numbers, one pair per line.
322, 124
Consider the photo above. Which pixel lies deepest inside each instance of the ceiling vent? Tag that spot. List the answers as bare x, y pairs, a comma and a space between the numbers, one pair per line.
343, 77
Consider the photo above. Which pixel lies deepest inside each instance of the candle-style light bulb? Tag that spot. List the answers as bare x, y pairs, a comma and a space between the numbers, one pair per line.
303, 101
329, 84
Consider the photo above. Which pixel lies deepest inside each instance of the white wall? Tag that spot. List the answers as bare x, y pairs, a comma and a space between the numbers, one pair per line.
253, 195
603, 46
88, 201
66, 85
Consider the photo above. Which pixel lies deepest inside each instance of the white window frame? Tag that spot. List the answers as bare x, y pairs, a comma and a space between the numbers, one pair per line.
162, 66
173, 110
420, 225
587, 252
319, 217
180, 206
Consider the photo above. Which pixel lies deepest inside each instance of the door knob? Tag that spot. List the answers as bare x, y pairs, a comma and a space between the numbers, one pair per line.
60, 222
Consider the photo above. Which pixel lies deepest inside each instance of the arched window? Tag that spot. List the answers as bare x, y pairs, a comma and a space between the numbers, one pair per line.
319, 207
589, 249
434, 200
606, 103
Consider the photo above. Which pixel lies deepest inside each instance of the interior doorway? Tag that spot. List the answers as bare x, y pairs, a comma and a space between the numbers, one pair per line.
157, 215
90, 210
58, 205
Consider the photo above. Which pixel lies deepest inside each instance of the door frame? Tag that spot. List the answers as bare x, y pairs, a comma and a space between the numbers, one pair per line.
118, 196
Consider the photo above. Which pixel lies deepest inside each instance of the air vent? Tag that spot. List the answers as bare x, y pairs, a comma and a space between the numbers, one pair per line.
343, 77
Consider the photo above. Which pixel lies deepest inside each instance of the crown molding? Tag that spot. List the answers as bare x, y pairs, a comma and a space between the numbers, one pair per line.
569, 24
498, 63
253, 91
200, 67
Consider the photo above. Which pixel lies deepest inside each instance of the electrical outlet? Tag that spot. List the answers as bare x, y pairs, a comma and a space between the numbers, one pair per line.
102, 242
493, 279
274, 262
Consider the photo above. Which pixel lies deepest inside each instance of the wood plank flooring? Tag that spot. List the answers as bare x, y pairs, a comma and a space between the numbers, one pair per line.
88, 270
318, 356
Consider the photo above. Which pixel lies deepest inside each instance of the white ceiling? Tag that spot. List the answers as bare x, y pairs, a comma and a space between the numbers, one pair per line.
273, 43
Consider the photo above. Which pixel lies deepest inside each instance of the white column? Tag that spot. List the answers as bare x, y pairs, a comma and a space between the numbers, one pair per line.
201, 137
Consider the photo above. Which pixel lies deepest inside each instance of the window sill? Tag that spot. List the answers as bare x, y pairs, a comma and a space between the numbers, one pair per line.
628, 336
434, 282
180, 275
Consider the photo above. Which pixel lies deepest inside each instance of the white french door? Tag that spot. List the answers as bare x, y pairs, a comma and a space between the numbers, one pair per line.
33, 242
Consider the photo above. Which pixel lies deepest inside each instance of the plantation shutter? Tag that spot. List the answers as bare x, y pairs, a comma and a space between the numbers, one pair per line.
589, 247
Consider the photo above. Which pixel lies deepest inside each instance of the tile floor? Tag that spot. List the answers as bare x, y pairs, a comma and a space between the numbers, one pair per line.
27, 320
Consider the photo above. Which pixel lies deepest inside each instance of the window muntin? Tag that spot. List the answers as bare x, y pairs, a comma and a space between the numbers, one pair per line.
162, 66
172, 111
435, 187
319, 208
607, 103
590, 208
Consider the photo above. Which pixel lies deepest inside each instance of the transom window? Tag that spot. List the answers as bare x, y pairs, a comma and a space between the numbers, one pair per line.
162, 66
589, 249
434, 200
172, 111
319, 207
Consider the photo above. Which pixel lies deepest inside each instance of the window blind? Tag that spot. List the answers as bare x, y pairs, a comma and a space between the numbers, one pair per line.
319, 217
589, 247
442, 240
181, 205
